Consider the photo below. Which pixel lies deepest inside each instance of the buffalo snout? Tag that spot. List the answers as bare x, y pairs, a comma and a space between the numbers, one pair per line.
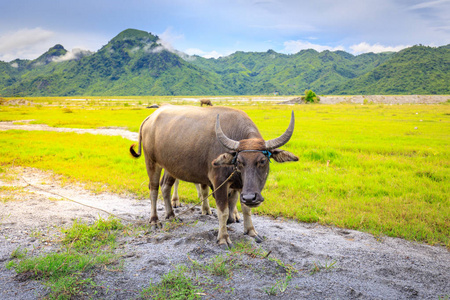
251, 199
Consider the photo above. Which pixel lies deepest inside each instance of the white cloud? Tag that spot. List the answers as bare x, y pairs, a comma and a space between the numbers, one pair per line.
375, 48
159, 48
164, 45
429, 4
15, 65
74, 54
165, 42
31, 43
24, 38
364, 47
167, 39
296, 46
135, 49
210, 54
23, 43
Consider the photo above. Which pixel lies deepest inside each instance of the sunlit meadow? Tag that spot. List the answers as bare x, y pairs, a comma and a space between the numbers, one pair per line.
383, 169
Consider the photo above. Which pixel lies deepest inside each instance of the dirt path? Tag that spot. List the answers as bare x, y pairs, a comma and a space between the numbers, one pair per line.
364, 267
42, 127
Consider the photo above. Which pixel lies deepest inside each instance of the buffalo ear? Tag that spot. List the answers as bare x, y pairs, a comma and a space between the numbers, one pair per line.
224, 159
283, 156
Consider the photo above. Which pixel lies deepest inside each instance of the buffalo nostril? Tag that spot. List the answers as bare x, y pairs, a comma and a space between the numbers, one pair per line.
249, 197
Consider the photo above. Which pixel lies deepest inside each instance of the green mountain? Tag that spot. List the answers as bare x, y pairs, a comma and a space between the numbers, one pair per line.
265, 73
51, 55
135, 63
132, 63
415, 70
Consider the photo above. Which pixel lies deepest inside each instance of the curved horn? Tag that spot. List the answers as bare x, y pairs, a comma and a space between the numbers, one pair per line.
284, 138
223, 139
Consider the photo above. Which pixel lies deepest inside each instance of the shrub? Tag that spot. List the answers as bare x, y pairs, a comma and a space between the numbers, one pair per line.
310, 97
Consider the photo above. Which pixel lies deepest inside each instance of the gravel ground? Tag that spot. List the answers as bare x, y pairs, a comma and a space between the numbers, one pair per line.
378, 99
365, 267
359, 265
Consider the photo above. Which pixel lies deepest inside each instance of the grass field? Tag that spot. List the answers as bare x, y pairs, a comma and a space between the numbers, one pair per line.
384, 169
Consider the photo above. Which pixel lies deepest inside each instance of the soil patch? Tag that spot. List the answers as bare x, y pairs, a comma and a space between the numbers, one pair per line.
363, 266
119, 131
16, 102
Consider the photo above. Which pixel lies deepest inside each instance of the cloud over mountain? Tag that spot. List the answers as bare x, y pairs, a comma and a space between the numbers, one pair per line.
23, 42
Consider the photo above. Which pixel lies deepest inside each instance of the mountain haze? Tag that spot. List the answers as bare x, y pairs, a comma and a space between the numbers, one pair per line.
136, 63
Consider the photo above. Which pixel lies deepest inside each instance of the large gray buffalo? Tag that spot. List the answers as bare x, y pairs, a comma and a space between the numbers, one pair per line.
205, 146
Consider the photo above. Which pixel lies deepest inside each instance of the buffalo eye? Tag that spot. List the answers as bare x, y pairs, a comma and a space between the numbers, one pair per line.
262, 162
240, 164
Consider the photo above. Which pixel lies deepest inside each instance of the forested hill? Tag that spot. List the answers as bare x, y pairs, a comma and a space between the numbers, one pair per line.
135, 63
417, 70
267, 72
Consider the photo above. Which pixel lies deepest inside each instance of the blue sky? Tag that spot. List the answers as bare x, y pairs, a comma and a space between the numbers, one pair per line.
28, 28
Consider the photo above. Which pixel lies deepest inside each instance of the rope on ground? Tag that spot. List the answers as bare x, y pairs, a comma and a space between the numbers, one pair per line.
114, 215
77, 202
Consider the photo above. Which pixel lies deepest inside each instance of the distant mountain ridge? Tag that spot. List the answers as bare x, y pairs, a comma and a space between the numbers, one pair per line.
136, 63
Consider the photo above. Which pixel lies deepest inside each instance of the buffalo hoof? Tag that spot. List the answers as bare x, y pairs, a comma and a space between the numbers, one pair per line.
174, 219
206, 212
170, 216
232, 220
258, 239
226, 246
176, 203
155, 226
253, 234
237, 217
225, 243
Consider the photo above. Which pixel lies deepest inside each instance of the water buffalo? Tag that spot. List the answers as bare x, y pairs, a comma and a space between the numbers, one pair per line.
205, 146
206, 102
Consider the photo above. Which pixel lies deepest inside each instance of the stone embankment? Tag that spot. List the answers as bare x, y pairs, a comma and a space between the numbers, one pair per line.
385, 99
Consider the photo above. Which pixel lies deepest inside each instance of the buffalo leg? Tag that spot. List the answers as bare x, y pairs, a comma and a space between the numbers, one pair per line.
223, 239
233, 197
203, 192
175, 199
248, 224
154, 173
166, 186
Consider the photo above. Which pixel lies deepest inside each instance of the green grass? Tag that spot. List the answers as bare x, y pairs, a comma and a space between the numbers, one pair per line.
218, 265
65, 272
83, 237
173, 285
319, 266
384, 176
77, 117
280, 286
206, 277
